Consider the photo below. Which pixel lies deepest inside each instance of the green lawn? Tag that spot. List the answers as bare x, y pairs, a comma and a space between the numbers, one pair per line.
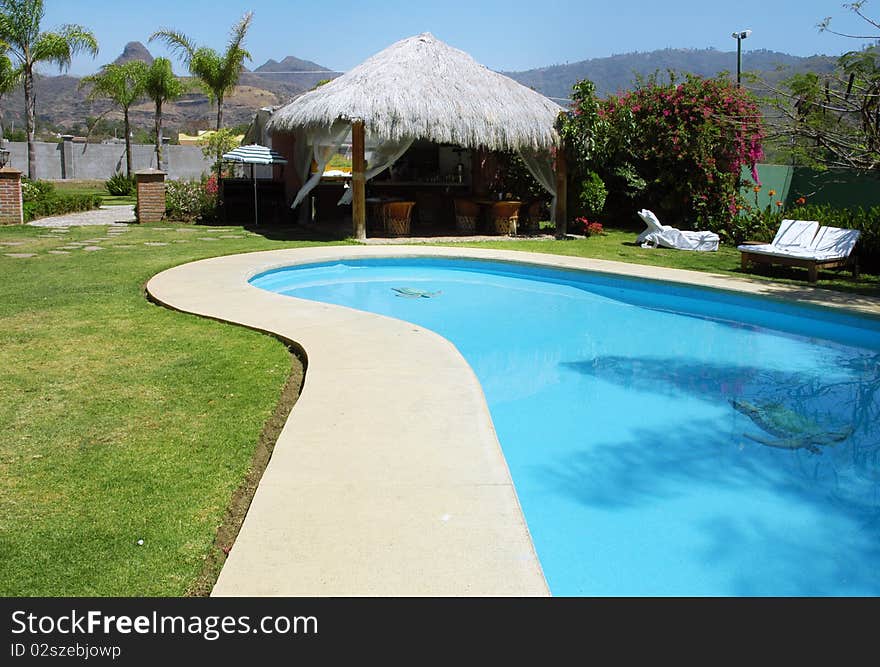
121, 420
83, 187
620, 246
124, 421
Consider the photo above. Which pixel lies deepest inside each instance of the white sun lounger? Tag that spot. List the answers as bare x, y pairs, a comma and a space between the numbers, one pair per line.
804, 243
670, 237
791, 235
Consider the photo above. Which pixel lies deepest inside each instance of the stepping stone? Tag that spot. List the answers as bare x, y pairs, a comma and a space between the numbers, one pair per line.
231, 236
154, 243
185, 229
180, 241
11, 243
93, 248
208, 238
21, 255
59, 252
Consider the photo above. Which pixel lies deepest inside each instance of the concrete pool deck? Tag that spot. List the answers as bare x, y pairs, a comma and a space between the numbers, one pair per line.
383, 484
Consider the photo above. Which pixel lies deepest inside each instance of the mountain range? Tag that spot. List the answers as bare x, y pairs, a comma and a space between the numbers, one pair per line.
62, 103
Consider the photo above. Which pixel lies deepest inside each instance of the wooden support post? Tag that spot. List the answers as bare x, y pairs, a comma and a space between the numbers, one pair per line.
561, 192
478, 178
358, 181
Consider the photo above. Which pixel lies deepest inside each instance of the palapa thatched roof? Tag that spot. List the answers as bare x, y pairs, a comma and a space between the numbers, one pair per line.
422, 88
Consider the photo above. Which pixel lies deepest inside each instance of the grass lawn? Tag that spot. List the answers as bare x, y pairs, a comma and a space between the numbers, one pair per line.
124, 421
82, 187
620, 246
121, 420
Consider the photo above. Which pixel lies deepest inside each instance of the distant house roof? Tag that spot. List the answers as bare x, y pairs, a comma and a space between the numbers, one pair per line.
196, 139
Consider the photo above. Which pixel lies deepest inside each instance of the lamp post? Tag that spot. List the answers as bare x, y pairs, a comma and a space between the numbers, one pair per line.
739, 37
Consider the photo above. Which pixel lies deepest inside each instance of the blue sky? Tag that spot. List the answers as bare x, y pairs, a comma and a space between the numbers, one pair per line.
502, 34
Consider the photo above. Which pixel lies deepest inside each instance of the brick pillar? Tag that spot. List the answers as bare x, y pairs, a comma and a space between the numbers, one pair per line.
11, 208
150, 195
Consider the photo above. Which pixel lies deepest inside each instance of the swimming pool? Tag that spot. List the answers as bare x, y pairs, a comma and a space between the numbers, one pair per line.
664, 440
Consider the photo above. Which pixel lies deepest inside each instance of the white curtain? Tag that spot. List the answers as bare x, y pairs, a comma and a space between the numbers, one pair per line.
325, 144
379, 157
540, 165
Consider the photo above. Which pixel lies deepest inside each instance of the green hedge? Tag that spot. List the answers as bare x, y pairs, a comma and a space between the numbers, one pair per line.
41, 200
867, 221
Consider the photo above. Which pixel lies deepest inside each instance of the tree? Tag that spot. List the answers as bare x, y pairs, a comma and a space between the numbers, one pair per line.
161, 86
20, 30
124, 85
833, 120
678, 148
218, 143
218, 73
10, 79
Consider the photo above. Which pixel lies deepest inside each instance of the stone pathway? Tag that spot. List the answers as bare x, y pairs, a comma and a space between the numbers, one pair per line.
106, 215
117, 223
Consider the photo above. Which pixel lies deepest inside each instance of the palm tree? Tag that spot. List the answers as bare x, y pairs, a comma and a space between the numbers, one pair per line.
20, 30
124, 85
10, 78
161, 86
219, 73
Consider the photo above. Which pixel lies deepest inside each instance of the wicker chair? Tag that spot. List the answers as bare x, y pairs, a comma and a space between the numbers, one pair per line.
397, 217
504, 217
533, 215
376, 219
466, 215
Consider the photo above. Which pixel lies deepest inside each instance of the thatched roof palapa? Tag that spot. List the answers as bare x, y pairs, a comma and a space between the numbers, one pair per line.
422, 88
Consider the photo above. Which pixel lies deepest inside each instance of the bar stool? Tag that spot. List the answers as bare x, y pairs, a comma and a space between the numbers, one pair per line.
467, 213
397, 216
504, 216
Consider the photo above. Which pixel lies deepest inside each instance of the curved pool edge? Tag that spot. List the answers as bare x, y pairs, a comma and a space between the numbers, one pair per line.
381, 483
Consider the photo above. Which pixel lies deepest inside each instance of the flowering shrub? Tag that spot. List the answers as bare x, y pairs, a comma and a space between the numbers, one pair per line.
583, 226
211, 187
677, 148
191, 201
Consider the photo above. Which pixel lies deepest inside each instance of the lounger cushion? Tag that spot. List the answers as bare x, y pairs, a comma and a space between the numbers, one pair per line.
828, 244
792, 235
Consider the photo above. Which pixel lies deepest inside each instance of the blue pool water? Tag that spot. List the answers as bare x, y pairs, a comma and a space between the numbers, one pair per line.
663, 440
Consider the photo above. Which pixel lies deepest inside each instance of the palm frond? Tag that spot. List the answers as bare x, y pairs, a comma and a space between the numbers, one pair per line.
123, 84
180, 44
60, 47
240, 31
10, 76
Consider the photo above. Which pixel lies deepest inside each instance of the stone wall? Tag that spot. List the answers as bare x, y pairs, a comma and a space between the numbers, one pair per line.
69, 160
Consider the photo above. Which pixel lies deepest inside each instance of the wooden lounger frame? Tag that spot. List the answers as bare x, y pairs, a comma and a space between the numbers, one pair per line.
812, 265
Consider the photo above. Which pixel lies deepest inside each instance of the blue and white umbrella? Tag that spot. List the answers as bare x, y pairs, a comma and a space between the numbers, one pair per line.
253, 155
